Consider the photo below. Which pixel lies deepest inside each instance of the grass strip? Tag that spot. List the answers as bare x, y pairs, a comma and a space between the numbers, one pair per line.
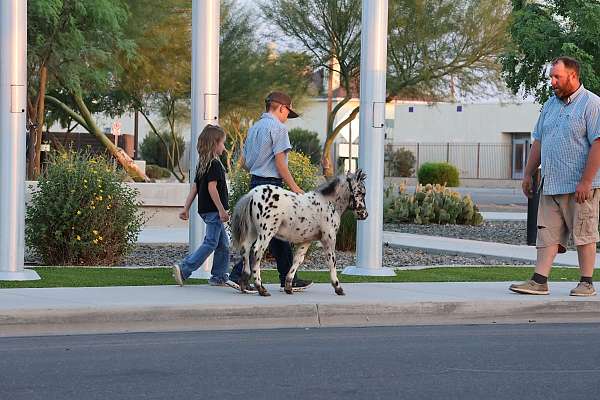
96, 277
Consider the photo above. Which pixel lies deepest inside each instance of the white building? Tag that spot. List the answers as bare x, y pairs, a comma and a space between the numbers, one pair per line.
486, 140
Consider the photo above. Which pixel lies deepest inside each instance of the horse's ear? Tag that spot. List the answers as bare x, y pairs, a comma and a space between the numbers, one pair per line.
360, 175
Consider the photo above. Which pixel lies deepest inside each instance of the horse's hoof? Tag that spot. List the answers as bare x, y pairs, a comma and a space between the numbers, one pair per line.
288, 287
339, 291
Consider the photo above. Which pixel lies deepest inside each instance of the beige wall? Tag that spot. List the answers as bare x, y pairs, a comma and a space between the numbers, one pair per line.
477, 123
434, 123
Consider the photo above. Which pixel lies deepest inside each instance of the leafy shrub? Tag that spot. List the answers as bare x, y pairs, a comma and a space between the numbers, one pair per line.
156, 172
304, 173
401, 162
82, 213
306, 142
154, 151
438, 173
430, 204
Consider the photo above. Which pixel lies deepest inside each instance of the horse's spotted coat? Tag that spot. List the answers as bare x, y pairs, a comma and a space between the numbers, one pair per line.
270, 211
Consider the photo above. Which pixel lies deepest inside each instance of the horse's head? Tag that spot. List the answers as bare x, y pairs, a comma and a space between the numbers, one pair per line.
356, 185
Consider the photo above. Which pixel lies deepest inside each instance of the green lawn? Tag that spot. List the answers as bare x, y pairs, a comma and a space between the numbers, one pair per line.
87, 277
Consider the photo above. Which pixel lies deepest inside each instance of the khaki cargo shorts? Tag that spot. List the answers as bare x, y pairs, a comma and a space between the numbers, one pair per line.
559, 215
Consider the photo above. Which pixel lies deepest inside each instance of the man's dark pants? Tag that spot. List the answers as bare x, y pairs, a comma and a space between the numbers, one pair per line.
280, 249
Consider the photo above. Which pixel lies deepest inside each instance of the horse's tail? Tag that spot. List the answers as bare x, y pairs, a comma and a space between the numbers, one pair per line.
241, 221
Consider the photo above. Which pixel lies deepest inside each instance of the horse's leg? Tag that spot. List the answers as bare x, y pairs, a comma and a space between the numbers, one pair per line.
298, 258
329, 248
246, 249
259, 249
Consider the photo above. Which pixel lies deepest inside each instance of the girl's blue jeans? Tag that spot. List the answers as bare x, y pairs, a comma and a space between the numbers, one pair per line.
215, 239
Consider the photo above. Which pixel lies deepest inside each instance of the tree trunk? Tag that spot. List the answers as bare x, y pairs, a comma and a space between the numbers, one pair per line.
37, 116
328, 169
122, 157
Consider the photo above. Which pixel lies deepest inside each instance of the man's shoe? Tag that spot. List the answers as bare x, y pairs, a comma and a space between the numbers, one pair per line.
177, 275
584, 289
299, 285
250, 288
214, 281
530, 287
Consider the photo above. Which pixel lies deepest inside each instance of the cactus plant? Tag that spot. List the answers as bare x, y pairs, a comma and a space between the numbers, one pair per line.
430, 204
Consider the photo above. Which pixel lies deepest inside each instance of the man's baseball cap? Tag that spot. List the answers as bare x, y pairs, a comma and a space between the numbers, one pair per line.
283, 99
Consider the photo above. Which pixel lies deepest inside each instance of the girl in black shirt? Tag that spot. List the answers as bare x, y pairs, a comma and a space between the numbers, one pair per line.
211, 188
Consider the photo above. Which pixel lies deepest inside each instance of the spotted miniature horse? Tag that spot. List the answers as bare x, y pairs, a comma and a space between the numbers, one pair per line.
269, 211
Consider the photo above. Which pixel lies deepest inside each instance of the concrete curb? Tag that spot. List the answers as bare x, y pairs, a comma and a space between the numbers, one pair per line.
39, 322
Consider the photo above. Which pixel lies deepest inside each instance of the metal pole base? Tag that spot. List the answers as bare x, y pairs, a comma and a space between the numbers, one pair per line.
366, 271
200, 273
25, 275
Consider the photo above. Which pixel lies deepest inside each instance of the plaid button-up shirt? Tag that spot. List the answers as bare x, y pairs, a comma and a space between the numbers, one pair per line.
566, 130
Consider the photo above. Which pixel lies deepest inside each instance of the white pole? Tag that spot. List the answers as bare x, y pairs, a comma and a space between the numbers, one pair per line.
373, 65
205, 100
13, 131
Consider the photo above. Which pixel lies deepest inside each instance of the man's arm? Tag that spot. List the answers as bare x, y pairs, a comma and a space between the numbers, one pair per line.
533, 163
284, 172
583, 191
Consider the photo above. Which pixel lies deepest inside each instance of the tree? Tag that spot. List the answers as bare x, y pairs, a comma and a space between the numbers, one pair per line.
328, 30
71, 50
159, 78
542, 31
307, 143
249, 70
438, 48
433, 46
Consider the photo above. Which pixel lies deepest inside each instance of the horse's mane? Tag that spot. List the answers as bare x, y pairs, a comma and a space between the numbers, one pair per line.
330, 187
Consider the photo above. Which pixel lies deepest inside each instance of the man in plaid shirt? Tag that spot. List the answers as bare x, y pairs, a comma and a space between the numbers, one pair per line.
567, 146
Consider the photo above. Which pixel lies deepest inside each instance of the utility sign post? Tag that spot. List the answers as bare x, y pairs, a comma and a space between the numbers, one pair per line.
373, 68
116, 131
205, 100
13, 131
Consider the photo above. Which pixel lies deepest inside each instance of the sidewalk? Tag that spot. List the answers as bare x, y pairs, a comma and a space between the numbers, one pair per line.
500, 250
201, 307
503, 216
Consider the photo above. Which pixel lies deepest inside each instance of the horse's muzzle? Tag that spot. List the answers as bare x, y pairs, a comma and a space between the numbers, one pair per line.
361, 214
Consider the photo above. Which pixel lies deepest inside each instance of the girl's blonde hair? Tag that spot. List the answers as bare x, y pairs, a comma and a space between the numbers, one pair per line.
207, 141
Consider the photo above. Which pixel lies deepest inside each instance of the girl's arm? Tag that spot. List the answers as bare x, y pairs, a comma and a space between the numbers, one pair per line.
214, 195
185, 214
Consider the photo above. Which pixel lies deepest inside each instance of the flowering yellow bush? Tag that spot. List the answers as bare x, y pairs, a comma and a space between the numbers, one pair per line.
82, 213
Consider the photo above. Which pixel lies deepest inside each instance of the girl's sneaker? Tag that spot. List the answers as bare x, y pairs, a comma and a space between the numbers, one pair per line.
177, 275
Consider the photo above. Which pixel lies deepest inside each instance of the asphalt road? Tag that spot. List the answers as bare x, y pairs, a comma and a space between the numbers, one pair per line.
435, 362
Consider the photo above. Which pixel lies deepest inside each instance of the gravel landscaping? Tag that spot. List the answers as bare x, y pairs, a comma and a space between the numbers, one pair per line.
508, 232
315, 260
166, 254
